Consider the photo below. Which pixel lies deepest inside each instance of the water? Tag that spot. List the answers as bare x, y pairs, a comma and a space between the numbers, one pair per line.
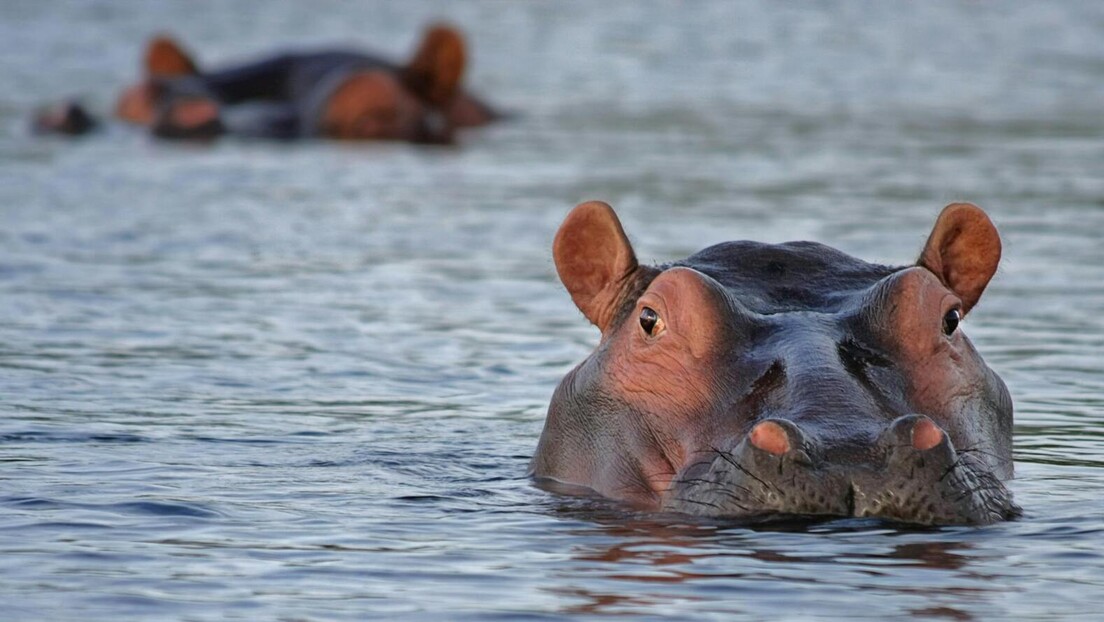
256, 381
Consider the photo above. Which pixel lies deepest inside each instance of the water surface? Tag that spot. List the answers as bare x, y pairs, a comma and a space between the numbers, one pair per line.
265, 381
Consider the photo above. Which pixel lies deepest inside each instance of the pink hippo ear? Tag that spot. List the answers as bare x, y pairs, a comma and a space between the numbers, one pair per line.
165, 58
594, 260
963, 250
437, 68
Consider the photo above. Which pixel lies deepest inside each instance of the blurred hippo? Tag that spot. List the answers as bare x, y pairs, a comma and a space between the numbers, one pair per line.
758, 381
337, 93
68, 117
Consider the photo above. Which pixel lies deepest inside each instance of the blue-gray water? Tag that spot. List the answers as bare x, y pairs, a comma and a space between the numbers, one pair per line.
267, 381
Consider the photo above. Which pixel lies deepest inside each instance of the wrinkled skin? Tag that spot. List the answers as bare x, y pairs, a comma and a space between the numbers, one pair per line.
757, 381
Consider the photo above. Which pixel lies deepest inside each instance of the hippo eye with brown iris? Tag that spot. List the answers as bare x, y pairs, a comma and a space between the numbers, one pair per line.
951, 320
648, 320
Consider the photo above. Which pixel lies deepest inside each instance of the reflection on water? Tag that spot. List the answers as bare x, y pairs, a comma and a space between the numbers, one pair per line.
630, 551
253, 381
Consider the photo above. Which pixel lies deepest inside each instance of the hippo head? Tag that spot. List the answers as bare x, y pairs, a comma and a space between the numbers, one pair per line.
755, 381
375, 105
69, 118
164, 59
411, 104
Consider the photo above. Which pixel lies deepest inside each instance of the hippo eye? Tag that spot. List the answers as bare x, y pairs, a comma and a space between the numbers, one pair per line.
951, 320
649, 319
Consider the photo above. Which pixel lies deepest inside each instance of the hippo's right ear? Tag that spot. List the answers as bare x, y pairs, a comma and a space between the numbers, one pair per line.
963, 250
165, 58
437, 68
594, 260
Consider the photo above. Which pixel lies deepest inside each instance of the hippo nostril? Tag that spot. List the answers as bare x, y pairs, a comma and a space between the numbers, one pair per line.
770, 437
914, 431
925, 434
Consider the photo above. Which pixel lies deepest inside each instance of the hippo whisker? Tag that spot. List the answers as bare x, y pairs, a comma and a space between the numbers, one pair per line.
976, 449
952, 468
732, 501
723, 488
699, 502
697, 480
727, 457
712, 484
700, 463
986, 487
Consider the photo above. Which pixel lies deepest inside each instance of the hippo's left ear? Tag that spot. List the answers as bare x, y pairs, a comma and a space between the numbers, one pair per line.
963, 250
594, 260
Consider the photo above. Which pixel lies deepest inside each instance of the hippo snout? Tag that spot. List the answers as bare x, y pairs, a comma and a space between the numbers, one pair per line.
910, 473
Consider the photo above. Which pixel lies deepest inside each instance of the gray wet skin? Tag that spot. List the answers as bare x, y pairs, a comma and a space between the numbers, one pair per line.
757, 381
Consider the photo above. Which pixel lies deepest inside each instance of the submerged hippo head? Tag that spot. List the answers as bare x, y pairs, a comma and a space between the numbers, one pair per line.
164, 59
755, 380
374, 105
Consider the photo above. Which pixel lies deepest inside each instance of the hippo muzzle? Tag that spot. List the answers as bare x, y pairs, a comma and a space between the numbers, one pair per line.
756, 381
913, 474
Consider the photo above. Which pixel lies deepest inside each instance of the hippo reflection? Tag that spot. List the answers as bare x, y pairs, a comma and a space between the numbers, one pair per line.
754, 380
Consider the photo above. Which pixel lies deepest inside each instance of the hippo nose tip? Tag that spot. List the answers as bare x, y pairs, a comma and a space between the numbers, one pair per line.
770, 437
776, 436
919, 431
925, 434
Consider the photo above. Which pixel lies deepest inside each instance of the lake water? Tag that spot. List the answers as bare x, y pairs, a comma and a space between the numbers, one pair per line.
259, 381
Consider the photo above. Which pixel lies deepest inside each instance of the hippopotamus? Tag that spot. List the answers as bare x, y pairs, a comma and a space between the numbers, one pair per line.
330, 93
68, 117
756, 381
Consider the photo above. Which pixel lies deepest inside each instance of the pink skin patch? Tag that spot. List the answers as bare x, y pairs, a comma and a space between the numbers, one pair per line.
194, 113
770, 437
925, 435
137, 104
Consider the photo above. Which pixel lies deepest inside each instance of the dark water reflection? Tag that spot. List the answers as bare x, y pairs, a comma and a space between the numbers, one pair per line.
253, 381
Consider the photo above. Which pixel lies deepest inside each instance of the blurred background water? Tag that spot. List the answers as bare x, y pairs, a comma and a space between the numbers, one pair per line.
268, 381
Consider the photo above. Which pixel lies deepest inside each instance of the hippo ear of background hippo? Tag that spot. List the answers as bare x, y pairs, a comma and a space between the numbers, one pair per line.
594, 259
165, 58
437, 68
963, 250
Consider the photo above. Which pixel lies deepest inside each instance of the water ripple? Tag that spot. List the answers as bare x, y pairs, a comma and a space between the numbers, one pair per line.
256, 381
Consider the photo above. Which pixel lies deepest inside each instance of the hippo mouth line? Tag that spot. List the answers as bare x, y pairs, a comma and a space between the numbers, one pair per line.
935, 486
967, 496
